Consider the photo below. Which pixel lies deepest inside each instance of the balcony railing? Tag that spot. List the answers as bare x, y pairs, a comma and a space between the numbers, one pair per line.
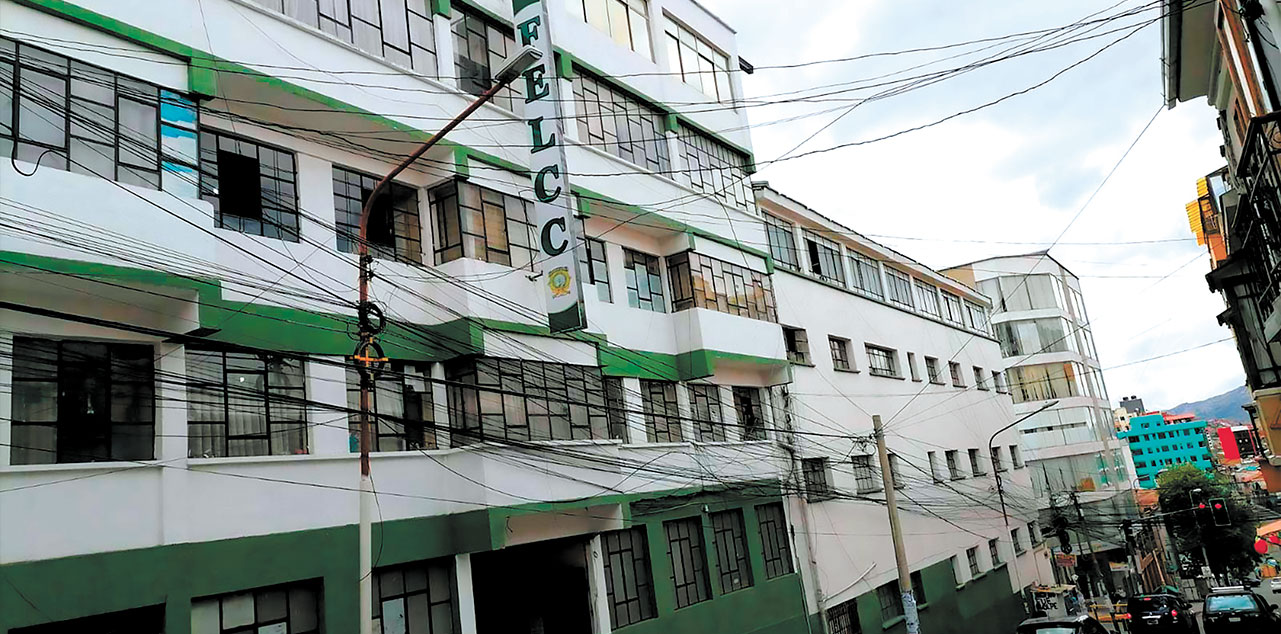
1256, 226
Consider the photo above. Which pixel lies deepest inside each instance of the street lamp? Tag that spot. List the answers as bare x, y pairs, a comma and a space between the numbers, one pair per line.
368, 355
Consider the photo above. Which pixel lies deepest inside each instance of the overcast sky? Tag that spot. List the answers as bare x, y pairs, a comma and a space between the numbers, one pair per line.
1018, 171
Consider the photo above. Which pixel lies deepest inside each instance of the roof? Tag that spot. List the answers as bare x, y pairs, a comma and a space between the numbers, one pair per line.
1044, 253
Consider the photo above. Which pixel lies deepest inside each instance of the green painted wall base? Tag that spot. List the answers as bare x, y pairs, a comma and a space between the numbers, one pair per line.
981, 606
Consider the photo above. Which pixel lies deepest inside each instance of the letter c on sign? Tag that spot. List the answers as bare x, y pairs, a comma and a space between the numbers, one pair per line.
548, 247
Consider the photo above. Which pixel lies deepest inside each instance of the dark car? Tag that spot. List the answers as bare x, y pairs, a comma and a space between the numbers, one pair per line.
1153, 613
1239, 612
1076, 624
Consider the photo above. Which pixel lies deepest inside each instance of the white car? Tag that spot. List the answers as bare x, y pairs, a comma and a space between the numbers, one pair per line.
1275, 584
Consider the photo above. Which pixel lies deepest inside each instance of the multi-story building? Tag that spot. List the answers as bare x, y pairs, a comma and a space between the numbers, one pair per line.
1130, 407
1066, 426
1160, 440
1226, 52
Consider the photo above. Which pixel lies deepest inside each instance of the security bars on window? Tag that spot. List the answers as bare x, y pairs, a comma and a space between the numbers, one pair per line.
840, 352
393, 229
730, 539
628, 578
688, 560
775, 541
866, 476
613, 120
244, 404
882, 361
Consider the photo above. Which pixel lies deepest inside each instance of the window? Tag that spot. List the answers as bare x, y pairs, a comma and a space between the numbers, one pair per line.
697, 62
250, 185
662, 416
71, 115
644, 281
775, 542
730, 540
1019, 549
927, 298
1016, 458
1034, 532
976, 464
418, 597
525, 400
972, 556
481, 47
882, 361
616, 409
840, 352
469, 221
955, 369
994, 550
843, 618
81, 401
814, 471
294, 608
628, 579
824, 258
705, 403
782, 242
976, 317
934, 467
979, 379
953, 465
1034, 336
715, 169
1044, 382
244, 404
595, 266
699, 281
1025, 292
890, 599
899, 287
997, 383
623, 20
918, 587
399, 32
932, 369
865, 273
404, 414
911, 367
798, 345
952, 311
393, 230
997, 464
751, 415
896, 473
618, 122
866, 479
689, 564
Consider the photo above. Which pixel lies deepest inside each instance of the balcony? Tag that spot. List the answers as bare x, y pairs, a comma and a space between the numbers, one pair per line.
1254, 227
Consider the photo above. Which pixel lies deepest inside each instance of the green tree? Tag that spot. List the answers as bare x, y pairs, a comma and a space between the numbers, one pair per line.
1231, 547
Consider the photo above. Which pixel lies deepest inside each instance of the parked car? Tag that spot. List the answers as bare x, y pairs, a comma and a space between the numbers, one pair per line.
1072, 624
1165, 612
1239, 611
1275, 584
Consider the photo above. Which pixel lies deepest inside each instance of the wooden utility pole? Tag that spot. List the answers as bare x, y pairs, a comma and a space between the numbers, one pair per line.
896, 532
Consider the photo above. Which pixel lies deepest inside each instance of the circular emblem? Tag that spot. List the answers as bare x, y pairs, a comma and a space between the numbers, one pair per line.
558, 280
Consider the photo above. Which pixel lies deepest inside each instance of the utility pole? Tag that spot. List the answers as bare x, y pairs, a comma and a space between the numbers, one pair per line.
896, 532
1098, 571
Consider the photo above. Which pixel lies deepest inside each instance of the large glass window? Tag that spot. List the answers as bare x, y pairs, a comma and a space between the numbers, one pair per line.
927, 298
399, 31
403, 410
1043, 382
1025, 292
393, 231
782, 242
245, 404
705, 403
688, 560
1033, 336
625, 21
251, 186
594, 265
824, 258
662, 414
729, 537
644, 281
469, 221
775, 541
697, 62
716, 169
614, 120
865, 273
81, 401
628, 579
525, 400
415, 599
899, 287
699, 281
294, 609
481, 48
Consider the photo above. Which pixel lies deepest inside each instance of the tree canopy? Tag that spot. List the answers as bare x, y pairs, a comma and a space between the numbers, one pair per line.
1230, 547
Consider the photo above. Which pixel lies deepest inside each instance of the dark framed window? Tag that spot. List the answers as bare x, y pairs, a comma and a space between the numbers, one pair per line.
594, 266
394, 230
798, 345
729, 536
481, 47
954, 368
918, 587
82, 401
250, 185
616, 409
976, 463
715, 169
750, 411
1019, 548
911, 366
628, 579
418, 597
1034, 532
998, 465
840, 352
972, 557
688, 559
1016, 457
824, 258
866, 476
404, 414
952, 310
293, 608
525, 400
843, 618
73, 116
890, 599
976, 317
614, 120
898, 287
994, 550
469, 221
927, 298
817, 483
699, 281
882, 361
399, 31
644, 281
662, 415
932, 458
954, 464
775, 539
245, 404
932, 370
865, 273
782, 242
705, 404
979, 379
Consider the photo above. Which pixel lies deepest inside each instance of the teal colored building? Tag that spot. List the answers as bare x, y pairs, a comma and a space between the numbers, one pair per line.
1159, 441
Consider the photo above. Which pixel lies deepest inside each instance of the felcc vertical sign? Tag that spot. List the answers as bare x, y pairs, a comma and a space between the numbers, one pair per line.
553, 205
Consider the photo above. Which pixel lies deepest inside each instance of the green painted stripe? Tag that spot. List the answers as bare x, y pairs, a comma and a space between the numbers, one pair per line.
440, 7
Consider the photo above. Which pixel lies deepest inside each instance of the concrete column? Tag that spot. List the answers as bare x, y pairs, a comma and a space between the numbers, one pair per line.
444, 51
569, 109
597, 590
617, 274
327, 386
440, 404
6, 398
635, 410
171, 448
316, 197
733, 433
466, 594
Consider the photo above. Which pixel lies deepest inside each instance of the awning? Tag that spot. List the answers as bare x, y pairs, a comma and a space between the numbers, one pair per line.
1269, 528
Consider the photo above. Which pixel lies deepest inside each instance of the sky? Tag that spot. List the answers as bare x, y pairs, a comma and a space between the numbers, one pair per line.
1017, 171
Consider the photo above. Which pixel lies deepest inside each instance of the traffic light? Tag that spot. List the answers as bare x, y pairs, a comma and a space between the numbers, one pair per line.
1060, 525
1219, 511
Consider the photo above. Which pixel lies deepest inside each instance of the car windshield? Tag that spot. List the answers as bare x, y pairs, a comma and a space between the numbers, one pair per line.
1144, 605
1229, 603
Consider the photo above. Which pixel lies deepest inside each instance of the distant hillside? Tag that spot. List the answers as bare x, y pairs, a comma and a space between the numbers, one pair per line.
1226, 406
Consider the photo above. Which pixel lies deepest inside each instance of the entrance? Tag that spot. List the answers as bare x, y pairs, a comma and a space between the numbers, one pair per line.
536, 588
